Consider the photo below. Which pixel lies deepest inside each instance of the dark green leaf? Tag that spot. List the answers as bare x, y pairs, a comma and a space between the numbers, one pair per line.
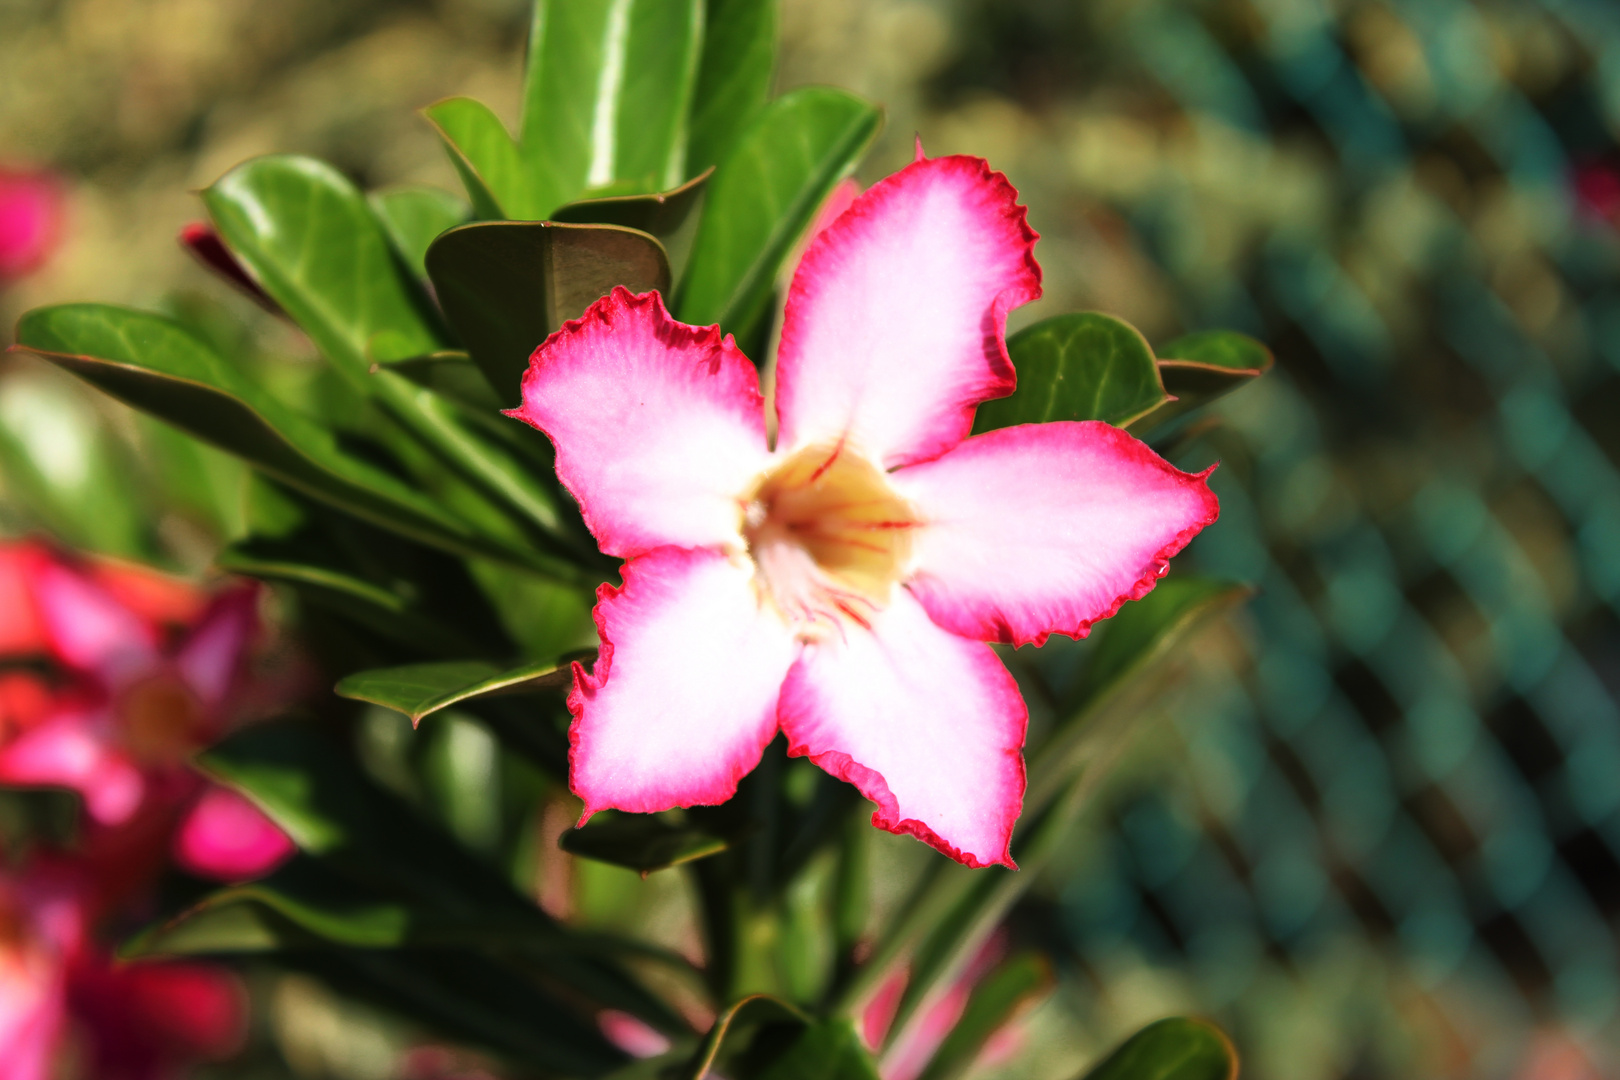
318, 795
641, 842
739, 58
830, 1050
764, 196
486, 158
1082, 366
472, 999
506, 285
1201, 367
310, 240
994, 1001
1144, 631
451, 375
157, 366
739, 1017
419, 690
606, 94
660, 213
1177, 1048
414, 216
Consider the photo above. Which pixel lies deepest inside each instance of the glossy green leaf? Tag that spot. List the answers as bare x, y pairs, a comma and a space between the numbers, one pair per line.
1081, 366
506, 285
1201, 367
311, 241
451, 375
997, 998
606, 94
1176, 1048
157, 366
641, 842
738, 1018
486, 158
734, 82
764, 196
419, 690
413, 217
659, 213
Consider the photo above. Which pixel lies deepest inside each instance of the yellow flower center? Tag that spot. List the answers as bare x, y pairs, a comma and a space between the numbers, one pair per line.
829, 538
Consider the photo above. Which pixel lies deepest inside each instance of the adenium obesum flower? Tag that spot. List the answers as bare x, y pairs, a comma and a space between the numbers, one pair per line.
146, 671
30, 220
841, 585
137, 1021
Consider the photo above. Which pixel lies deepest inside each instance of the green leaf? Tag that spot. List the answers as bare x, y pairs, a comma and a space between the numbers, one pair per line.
739, 58
742, 1015
157, 366
414, 216
997, 998
1176, 1048
1082, 366
831, 1050
764, 196
1144, 631
660, 213
642, 842
606, 94
451, 375
1201, 367
487, 159
333, 811
311, 241
419, 690
506, 285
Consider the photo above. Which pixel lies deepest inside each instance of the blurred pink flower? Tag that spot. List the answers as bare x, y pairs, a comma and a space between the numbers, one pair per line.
31, 205
149, 669
138, 1021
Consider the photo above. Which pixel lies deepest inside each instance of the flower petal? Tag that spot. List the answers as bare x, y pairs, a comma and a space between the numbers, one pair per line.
88, 628
212, 654
659, 426
22, 630
928, 725
682, 700
65, 751
1046, 528
893, 331
226, 838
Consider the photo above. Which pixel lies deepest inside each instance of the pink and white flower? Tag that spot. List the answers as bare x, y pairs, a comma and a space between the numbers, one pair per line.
841, 585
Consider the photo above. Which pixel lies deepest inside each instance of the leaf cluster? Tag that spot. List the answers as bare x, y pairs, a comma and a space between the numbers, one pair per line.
430, 557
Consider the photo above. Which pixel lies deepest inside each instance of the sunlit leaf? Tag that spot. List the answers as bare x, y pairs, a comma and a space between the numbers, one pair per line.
310, 240
734, 82
486, 158
414, 216
606, 95
641, 842
156, 365
506, 285
763, 197
1082, 366
419, 690
1176, 1048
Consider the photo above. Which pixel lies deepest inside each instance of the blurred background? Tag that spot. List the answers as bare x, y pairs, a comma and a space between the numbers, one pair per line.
1376, 833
